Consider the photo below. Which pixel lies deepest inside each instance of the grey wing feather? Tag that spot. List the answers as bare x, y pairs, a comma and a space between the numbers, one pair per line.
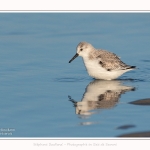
111, 61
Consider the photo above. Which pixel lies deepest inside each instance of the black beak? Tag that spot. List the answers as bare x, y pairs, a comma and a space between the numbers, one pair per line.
76, 55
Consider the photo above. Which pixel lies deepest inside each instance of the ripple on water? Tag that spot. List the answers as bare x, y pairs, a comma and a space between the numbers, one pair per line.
69, 79
132, 80
145, 102
136, 134
123, 127
145, 60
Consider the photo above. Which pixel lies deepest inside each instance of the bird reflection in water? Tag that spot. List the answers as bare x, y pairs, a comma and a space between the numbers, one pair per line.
98, 95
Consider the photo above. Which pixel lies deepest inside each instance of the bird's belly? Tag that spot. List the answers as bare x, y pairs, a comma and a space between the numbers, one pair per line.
95, 70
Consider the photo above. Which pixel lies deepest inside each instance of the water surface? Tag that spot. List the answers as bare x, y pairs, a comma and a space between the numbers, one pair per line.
42, 95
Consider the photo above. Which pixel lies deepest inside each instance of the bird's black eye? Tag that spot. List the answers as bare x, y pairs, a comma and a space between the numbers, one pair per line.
81, 49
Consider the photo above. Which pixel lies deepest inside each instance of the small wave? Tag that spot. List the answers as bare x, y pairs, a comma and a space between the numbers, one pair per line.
141, 102
69, 79
136, 134
132, 80
145, 60
123, 127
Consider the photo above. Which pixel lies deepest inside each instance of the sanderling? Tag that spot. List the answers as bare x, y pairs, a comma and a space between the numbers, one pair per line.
101, 64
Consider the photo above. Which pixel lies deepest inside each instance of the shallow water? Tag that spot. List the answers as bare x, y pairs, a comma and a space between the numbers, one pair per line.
42, 95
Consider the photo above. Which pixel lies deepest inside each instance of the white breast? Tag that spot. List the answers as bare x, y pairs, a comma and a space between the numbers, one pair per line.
95, 70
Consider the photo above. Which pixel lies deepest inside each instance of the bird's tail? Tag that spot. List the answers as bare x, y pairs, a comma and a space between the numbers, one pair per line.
131, 67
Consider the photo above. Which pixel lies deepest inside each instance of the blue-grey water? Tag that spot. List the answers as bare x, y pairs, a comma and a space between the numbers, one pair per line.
42, 95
